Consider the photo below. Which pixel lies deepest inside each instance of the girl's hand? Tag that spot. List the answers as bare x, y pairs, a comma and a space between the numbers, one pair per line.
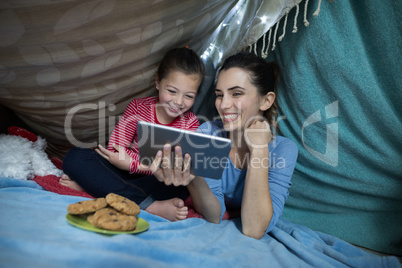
121, 159
258, 135
162, 168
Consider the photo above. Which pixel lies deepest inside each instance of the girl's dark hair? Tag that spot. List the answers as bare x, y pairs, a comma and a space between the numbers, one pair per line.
263, 75
181, 59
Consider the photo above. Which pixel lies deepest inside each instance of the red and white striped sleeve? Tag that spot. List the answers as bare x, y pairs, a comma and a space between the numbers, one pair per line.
126, 128
193, 122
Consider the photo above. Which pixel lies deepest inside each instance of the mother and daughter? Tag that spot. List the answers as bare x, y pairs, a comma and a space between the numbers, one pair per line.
251, 184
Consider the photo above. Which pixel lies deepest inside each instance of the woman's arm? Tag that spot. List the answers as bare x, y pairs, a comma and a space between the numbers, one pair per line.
204, 201
256, 208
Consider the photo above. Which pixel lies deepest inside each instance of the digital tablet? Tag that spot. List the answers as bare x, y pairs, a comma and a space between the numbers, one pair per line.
209, 154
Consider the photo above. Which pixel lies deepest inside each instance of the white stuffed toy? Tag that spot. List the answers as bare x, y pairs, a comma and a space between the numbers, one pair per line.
23, 159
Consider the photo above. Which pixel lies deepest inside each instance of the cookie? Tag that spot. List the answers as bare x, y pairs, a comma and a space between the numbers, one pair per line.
122, 204
88, 206
111, 219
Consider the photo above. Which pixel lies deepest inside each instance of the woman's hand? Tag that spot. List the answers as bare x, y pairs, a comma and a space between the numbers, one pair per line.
258, 135
121, 159
204, 201
162, 168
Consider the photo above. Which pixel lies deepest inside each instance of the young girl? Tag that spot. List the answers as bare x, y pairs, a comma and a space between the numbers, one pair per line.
257, 176
115, 170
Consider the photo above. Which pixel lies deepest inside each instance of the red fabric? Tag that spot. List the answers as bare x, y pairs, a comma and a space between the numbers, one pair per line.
57, 162
194, 214
18, 131
51, 183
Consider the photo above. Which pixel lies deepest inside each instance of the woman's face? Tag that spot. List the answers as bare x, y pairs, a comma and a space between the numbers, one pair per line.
237, 99
176, 93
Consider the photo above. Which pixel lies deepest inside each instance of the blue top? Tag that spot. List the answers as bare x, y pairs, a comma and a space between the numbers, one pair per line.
229, 190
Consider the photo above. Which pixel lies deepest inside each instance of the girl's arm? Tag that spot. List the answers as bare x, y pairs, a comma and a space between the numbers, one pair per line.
121, 138
120, 159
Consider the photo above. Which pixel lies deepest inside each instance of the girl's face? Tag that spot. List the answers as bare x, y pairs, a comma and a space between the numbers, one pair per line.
176, 93
237, 99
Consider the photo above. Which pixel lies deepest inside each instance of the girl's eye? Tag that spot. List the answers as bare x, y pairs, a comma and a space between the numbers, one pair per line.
189, 97
171, 91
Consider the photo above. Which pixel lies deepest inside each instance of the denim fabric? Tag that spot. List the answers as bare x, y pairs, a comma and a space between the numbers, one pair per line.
98, 177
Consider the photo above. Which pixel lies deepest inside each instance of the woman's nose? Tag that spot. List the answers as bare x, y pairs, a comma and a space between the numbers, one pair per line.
226, 103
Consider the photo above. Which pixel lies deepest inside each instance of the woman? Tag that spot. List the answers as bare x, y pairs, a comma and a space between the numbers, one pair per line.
257, 176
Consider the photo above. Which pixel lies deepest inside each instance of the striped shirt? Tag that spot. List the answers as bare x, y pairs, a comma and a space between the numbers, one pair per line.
143, 109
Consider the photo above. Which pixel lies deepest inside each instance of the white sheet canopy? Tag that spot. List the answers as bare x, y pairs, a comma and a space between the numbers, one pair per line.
69, 68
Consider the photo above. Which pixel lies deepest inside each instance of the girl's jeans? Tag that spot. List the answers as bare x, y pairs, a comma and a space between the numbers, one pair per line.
98, 177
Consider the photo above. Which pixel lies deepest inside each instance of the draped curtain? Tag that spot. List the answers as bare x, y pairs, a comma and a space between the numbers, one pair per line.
340, 101
69, 68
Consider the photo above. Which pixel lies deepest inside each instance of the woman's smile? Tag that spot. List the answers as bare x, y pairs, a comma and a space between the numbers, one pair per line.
230, 117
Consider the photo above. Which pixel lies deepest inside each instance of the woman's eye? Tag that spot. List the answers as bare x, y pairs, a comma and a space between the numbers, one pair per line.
189, 97
219, 95
237, 94
171, 91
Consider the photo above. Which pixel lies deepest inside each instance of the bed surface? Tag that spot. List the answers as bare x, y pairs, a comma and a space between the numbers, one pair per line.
34, 233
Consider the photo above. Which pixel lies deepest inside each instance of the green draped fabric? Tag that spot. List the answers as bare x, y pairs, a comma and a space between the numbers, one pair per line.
340, 99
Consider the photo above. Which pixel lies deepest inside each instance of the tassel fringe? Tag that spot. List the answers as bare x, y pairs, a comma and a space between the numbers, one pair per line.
305, 21
295, 20
315, 14
284, 28
265, 48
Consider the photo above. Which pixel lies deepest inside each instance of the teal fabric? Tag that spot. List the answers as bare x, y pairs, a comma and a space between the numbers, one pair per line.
341, 96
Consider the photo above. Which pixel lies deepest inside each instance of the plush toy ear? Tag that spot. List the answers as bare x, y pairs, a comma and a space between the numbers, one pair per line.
267, 101
18, 131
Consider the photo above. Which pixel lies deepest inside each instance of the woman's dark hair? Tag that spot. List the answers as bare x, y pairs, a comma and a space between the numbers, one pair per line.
181, 59
263, 75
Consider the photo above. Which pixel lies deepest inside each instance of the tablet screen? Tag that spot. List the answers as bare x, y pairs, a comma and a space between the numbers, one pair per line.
209, 154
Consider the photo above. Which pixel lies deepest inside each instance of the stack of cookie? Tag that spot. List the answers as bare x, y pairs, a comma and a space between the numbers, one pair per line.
114, 212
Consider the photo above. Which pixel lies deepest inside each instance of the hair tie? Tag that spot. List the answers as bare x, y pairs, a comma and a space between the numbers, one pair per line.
187, 47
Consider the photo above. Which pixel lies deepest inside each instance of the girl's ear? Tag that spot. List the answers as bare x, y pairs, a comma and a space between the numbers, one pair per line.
267, 101
157, 81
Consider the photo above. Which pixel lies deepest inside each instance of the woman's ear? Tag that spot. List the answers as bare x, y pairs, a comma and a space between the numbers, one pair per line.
267, 101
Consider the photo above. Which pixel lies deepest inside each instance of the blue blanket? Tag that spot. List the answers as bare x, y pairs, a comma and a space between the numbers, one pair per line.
34, 233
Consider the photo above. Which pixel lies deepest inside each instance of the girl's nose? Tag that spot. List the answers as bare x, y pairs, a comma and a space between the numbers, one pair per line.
178, 101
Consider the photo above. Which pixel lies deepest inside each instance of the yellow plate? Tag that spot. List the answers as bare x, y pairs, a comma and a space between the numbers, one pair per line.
77, 221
